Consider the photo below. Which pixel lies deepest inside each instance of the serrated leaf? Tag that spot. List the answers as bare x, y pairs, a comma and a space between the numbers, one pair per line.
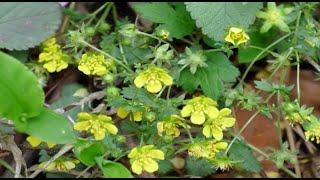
211, 79
240, 152
264, 86
112, 169
216, 17
138, 94
174, 18
26, 24
164, 166
199, 167
87, 151
20, 92
50, 127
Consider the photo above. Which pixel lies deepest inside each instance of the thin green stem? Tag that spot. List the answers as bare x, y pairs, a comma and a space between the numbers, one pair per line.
104, 15
108, 55
7, 166
159, 39
93, 15
298, 76
260, 54
246, 124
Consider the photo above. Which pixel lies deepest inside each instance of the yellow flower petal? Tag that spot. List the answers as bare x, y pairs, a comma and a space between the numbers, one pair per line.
133, 152
160, 128
186, 111
228, 122
69, 165
221, 145
217, 133
136, 167
212, 112
112, 129
140, 80
150, 165
34, 141
154, 86
84, 116
99, 134
82, 126
156, 154
122, 113
206, 131
166, 79
137, 116
51, 145
225, 112
197, 117
84, 69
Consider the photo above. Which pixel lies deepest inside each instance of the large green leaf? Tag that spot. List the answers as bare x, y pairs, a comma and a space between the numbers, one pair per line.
216, 17
211, 79
112, 169
247, 54
20, 92
87, 151
242, 153
50, 127
174, 18
26, 24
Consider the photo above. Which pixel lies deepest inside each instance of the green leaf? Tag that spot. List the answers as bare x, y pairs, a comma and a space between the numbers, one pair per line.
87, 151
67, 97
212, 78
199, 167
264, 86
165, 166
240, 152
112, 169
246, 55
174, 18
216, 17
50, 127
20, 92
26, 24
138, 94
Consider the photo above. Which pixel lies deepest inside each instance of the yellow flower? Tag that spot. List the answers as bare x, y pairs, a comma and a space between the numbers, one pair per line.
198, 108
60, 164
98, 125
206, 148
122, 113
34, 142
95, 64
169, 127
52, 56
153, 79
215, 125
145, 158
236, 36
312, 129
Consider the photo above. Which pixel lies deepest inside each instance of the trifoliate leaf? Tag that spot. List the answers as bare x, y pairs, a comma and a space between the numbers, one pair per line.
240, 152
212, 78
216, 17
26, 24
174, 19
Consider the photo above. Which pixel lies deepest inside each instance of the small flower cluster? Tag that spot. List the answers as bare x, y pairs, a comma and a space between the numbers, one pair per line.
52, 56
99, 125
61, 165
153, 79
145, 158
206, 148
95, 64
